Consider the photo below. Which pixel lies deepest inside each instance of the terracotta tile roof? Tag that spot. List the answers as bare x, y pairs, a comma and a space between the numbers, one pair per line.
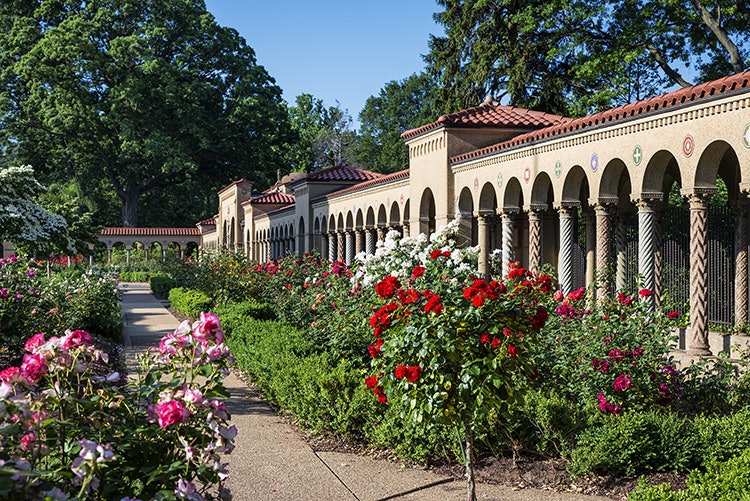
150, 232
386, 178
671, 99
277, 211
272, 198
490, 114
342, 172
209, 221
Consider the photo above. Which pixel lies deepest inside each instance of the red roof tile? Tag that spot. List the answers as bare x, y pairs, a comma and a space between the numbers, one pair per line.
342, 172
386, 178
210, 221
490, 114
671, 99
150, 232
272, 198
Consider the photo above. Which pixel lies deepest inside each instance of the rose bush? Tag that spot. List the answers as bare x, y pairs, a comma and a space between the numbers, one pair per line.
70, 429
448, 346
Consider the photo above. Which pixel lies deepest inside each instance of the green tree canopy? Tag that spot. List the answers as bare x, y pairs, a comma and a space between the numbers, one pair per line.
142, 94
325, 134
400, 105
577, 56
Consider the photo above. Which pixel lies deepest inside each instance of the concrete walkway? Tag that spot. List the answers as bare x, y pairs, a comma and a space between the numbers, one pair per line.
272, 462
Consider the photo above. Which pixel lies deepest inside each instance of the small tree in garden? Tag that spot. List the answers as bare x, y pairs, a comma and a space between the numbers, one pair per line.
450, 347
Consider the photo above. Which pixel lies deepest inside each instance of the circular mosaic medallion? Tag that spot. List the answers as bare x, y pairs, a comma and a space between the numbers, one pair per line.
746, 136
688, 145
558, 168
500, 180
594, 162
526, 174
637, 155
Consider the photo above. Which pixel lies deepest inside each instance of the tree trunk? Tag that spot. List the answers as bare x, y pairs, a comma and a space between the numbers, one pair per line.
130, 200
471, 485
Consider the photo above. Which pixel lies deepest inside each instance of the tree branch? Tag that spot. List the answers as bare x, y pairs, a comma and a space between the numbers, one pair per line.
721, 35
671, 72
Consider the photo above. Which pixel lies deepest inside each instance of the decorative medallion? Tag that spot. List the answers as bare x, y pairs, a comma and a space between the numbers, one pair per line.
558, 168
402, 199
500, 180
637, 155
594, 162
476, 185
688, 145
746, 136
526, 174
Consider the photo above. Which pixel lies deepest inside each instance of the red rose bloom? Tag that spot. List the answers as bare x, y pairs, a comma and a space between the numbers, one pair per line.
672, 315
400, 372
645, 293
495, 342
436, 254
540, 319
387, 287
512, 351
485, 338
413, 372
371, 381
418, 271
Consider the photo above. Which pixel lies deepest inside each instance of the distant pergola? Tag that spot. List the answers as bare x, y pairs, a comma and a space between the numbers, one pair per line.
181, 237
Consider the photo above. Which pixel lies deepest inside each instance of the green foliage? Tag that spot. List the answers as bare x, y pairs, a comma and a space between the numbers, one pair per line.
135, 276
133, 97
161, 284
223, 275
234, 314
536, 54
189, 302
637, 443
400, 106
723, 481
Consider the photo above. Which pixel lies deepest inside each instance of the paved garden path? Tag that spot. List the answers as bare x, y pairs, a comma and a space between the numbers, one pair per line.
272, 462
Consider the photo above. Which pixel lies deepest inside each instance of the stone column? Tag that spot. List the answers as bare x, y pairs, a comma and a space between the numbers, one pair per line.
740, 262
359, 241
406, 229
603, 248
699, 273
109, 255
590, 248
483, 266
567, 235
621, 244
370, 238
340, 246
127, 254
535, 239
323, 246
332, 247
381, 234
507, 240
349, 246
646, 246
658, 258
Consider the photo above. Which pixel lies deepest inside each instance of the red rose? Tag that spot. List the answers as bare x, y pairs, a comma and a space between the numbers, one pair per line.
418, 271
387, 287
495, 342
645, 293
400, 372
413, 372
512, 351
371, 381
672, 315
477, 300
485, 338
436, 254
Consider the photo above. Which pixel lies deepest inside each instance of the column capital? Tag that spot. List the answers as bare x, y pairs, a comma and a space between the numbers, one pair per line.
484, 214
604, 201
698, 197
647, 197
567, 209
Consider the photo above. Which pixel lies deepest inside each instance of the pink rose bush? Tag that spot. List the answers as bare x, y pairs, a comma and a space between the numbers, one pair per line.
70, 431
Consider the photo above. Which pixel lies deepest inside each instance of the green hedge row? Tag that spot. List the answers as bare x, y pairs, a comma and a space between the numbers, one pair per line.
135, 276
189, 302
161, 285
660, 442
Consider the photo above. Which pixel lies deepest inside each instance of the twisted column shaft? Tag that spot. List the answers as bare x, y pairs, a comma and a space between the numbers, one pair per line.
349, 247
565, 264
740, 264
603, 248
507, 241
370, 242
698, 275
332, 247
646, 245
535, 240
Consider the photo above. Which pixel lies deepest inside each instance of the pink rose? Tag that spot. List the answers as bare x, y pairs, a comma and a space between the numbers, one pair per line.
34, 367
208, 328
34, 342
75, 338
171, 412
12, 375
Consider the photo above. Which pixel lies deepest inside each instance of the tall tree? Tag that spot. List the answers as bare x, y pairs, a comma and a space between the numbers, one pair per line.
400, 105
325, 134
578, 56
142, 93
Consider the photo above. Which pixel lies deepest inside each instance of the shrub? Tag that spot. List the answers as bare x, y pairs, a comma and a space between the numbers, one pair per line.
135, 276
68, 429
723, 481
161, 284
637, 443
234, 314
189, 302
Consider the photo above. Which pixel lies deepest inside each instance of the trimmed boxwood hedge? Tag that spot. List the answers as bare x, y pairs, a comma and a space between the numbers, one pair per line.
189, 302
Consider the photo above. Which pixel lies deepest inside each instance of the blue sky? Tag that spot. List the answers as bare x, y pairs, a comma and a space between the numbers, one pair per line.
344, 50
